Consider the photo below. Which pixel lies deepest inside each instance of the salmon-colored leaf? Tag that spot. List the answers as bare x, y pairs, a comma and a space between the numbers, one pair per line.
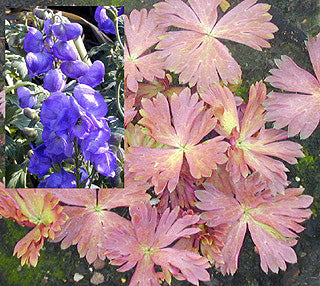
203, 59
273, 221
299, 110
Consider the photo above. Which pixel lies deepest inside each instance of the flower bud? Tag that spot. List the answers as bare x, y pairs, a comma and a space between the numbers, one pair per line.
30, 132
41, 14
31, 113
30, 153
70, 161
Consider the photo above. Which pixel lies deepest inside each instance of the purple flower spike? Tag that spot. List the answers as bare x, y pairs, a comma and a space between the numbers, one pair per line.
64, 51
91, 100
33, 42
66, 31
54, 81
39, 162
95, 74
26, 98
38, 63
74, 69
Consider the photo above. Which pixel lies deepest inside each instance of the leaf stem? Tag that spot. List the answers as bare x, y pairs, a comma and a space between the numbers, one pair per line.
118, 99
76, 151
116, 24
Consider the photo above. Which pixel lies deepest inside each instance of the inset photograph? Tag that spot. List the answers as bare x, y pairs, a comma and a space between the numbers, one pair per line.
64, 97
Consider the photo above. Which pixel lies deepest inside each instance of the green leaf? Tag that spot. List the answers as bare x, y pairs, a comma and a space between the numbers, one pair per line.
16, 175
20, 121
102, 48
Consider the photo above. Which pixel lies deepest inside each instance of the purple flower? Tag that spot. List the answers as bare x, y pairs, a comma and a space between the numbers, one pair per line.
66, 31
38, 63
86, 122
59, 180
91, 100
64, 51
47, 26
40, 163
105, 163
94, 75
95, 143
57, 113
57, 142
104, 23
26, 98
33, 42
84, 177
54, 81
74, 69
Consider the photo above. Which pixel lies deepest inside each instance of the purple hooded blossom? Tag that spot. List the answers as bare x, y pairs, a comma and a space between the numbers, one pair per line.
54, 81
40, 163
57, 112
33, 41
66, 31
74, 69
47, 26
57, 142
38, 63
64, 51
95, 143
59, 180
95, 149
26, 97
94, 75
105, 163
91, 100
105, 24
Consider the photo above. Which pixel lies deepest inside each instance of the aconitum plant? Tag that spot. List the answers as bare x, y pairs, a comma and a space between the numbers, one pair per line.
74, 149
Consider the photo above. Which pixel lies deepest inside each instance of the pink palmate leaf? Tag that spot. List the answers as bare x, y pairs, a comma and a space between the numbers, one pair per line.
32, 208
300, 110
148, 245
181, 125
129, 108
252, 144
183, 196
273, 221
89, 216
139, 63
202, 59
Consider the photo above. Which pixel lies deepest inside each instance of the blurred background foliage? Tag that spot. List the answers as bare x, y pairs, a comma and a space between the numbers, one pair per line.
297, 19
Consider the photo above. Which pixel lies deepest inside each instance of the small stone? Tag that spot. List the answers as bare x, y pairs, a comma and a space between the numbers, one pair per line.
77, 277
303, 254
99, 264
97, 278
